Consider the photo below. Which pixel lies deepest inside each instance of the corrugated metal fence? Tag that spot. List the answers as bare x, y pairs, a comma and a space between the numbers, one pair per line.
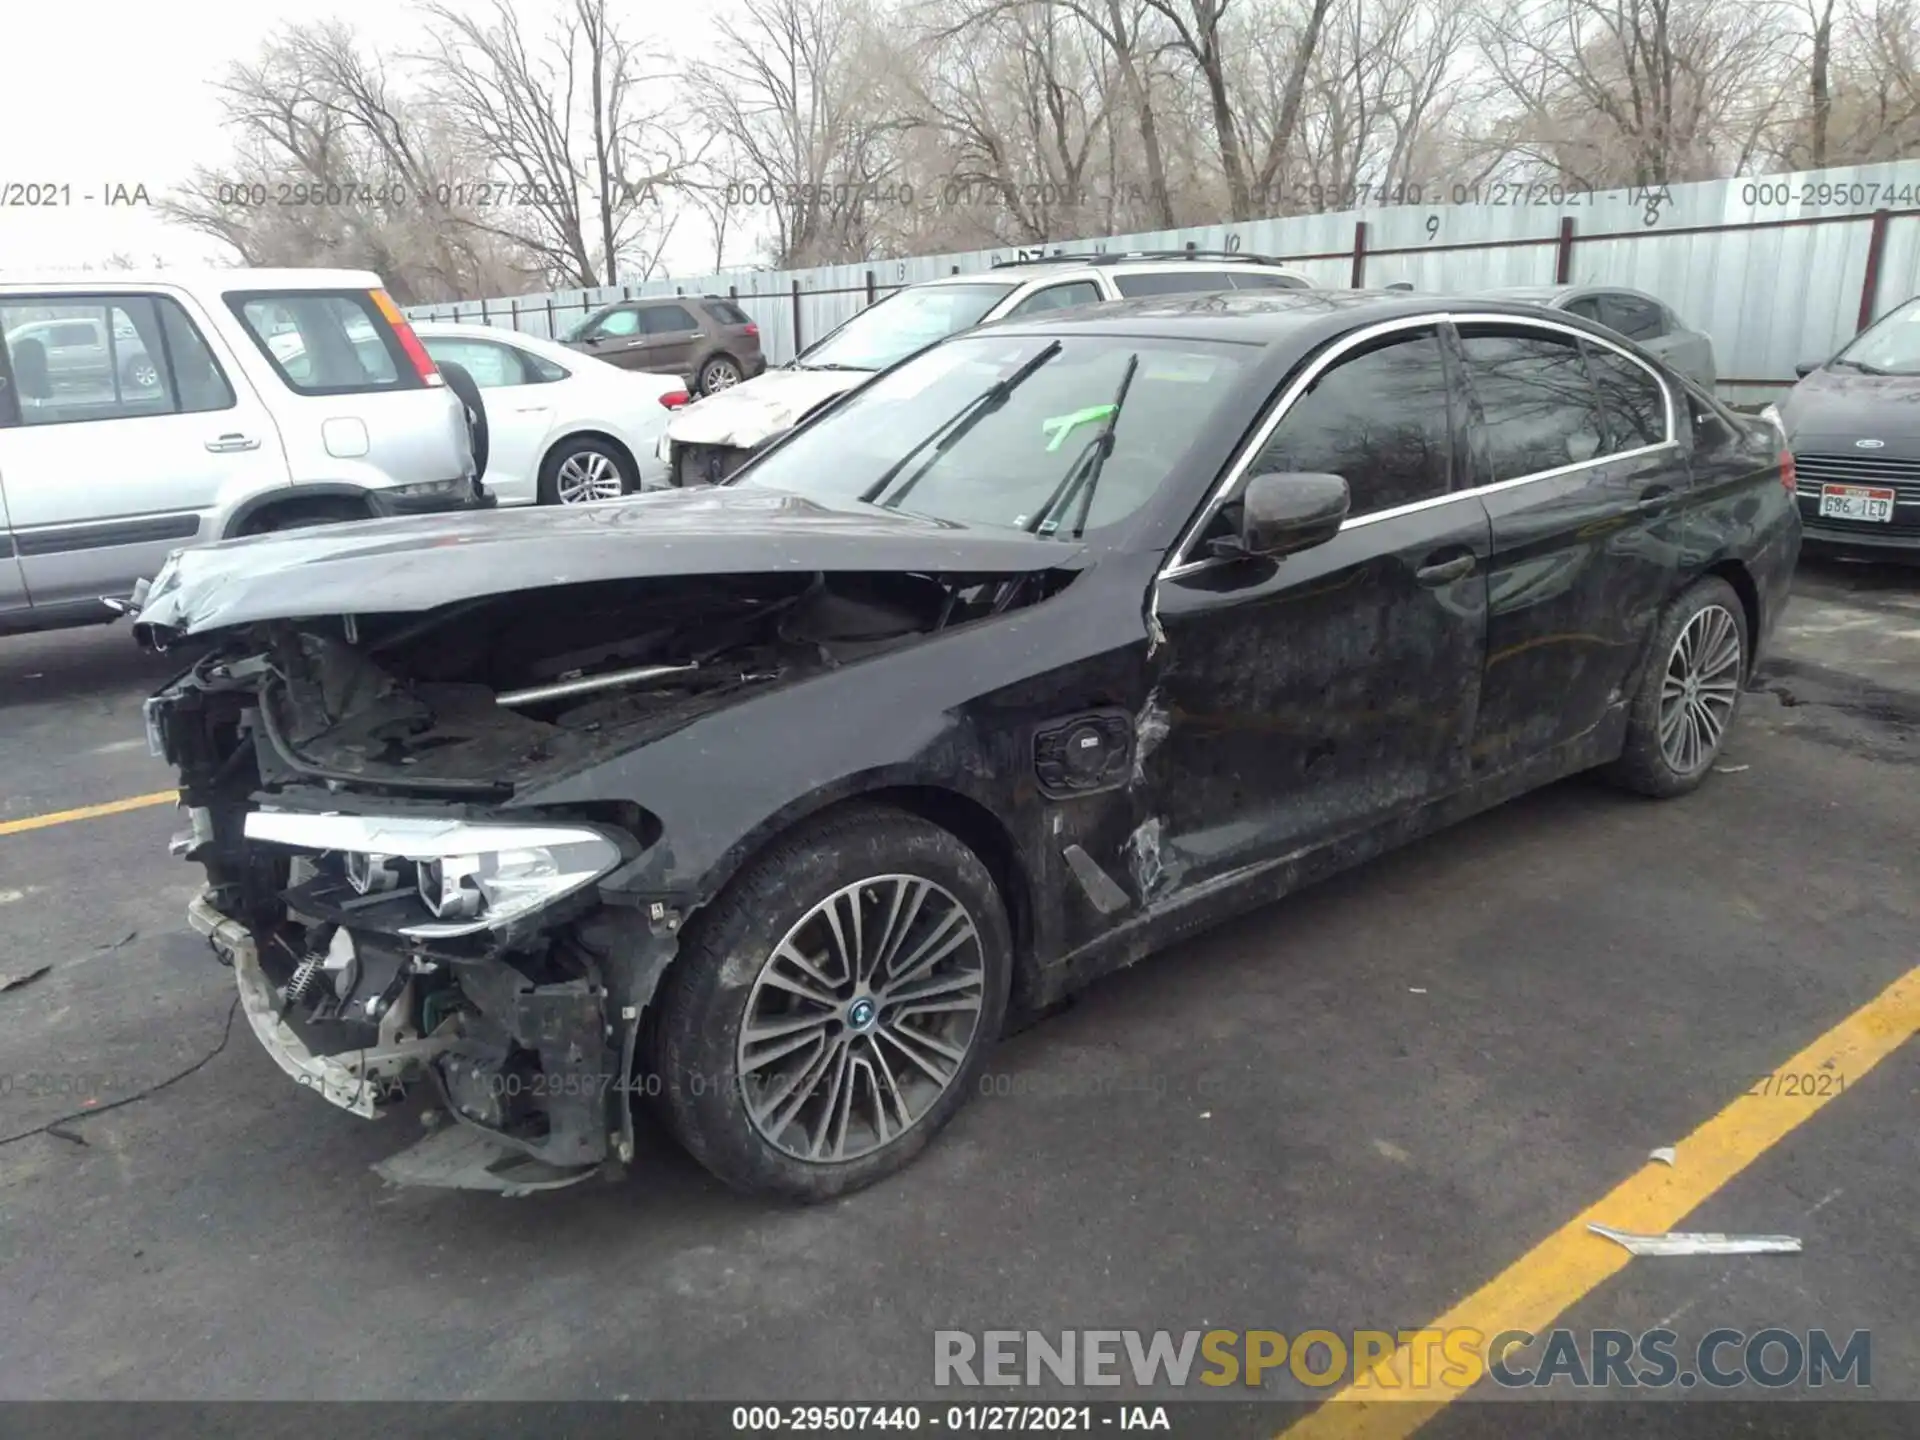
1777, 269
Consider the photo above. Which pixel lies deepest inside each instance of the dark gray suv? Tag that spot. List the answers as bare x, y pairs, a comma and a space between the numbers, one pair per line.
707, 340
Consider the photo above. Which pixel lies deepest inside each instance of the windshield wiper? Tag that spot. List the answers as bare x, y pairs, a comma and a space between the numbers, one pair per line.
945, 436
1084, 474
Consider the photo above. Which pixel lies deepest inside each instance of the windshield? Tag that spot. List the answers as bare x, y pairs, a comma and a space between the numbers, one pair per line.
1891, 346
893, 328
930, 439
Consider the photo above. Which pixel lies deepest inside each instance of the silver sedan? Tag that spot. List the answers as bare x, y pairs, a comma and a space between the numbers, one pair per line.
1647, 321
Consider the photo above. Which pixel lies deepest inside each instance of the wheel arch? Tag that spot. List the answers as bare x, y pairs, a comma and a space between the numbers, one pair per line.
294, 497
968, 819
1734, 571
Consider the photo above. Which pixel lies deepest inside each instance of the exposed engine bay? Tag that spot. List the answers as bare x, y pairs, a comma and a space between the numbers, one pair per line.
395, 923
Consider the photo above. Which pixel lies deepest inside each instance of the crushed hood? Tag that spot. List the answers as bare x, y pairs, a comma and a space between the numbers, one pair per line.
422, 562
753, 413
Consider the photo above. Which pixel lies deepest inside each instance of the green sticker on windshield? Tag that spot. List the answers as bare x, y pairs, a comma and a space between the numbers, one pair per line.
1061, 426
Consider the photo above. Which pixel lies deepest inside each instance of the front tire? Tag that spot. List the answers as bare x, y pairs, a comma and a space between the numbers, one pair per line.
833, 1009
1697, 666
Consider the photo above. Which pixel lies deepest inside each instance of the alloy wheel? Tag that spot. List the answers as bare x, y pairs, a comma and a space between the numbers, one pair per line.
721, 375
861, 1018
1699, 689
144, 375
588, 475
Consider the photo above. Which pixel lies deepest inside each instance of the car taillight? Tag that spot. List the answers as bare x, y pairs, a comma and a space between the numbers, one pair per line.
423, 365
752, 330
1788, 481
674, 399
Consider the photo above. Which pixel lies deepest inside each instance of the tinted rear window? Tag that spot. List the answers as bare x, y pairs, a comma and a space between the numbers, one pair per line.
730, 313
325, 342
1266, 280
1173, 282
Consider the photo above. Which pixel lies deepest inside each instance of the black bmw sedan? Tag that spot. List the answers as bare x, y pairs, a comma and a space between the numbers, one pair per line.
1853, 423
770, 804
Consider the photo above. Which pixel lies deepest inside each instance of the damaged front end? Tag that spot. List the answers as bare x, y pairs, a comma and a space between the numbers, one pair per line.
402, 913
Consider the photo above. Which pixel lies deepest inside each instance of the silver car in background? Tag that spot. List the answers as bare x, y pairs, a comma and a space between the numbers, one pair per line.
1642, 318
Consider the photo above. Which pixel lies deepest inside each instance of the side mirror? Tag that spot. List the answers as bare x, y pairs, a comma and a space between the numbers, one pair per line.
1807, 367
1281, 513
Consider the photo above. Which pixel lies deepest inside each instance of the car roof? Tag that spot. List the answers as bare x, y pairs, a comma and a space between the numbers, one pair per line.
458, 330
218, 280
1256, 317
1019, 273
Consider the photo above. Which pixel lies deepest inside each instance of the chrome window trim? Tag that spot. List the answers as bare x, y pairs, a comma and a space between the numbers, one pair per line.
1180, 563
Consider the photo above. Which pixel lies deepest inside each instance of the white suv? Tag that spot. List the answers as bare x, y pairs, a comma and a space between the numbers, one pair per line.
142, 414
717, 434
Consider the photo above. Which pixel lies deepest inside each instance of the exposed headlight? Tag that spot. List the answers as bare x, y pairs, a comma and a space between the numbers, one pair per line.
1771, 414
470, 876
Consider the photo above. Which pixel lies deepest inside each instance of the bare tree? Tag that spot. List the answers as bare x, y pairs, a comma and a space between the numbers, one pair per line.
331, 167
1639, 92
575, 125
806, 130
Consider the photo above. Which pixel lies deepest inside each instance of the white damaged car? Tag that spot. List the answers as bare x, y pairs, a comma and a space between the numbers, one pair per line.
713, 437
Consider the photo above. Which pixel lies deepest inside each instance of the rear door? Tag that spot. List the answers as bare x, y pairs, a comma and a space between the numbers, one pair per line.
520, 412
103, 479
673, 338
352, 406
1318, 696
13, 586
1571, 441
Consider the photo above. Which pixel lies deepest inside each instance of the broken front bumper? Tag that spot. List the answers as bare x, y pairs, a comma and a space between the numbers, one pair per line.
359, 1082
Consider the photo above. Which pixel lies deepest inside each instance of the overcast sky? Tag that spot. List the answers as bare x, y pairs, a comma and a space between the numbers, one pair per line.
97, 93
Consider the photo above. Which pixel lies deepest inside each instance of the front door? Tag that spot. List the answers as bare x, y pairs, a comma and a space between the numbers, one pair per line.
1314, 696
620, 338
1575, 438
104, 478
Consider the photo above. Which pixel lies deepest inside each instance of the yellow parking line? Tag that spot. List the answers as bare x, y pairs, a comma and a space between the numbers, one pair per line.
1544, 1283
88, 812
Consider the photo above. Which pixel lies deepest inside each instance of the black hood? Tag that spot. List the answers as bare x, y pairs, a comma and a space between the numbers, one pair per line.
423, 562
1837, 407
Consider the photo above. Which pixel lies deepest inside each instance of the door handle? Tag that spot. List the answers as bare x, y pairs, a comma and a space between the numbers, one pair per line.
227, 444
533, 409
631, 343
1445, 571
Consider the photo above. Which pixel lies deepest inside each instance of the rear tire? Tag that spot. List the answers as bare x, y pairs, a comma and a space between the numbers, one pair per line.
797, 971
583, 469
140, 373
722, 372
1689, 695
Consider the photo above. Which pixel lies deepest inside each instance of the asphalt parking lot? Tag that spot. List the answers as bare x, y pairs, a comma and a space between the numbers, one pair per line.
1350, 1111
